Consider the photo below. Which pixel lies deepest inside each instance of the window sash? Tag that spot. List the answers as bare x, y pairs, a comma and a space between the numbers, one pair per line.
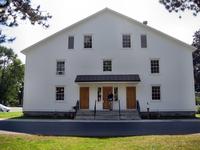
71, 42
87, 41
60, 69
155, 66
107, 65
126, 41
143, 41
156, 93
116, 93
60, 93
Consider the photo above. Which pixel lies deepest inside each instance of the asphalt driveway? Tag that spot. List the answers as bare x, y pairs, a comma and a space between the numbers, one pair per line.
101, 129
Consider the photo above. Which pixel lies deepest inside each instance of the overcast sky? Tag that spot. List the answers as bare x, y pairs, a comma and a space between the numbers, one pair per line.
67, 12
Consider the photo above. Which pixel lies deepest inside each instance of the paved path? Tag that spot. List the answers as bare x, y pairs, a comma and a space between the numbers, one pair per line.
101, 128
15, 109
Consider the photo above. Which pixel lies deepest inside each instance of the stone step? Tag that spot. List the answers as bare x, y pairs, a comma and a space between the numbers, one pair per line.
107, 115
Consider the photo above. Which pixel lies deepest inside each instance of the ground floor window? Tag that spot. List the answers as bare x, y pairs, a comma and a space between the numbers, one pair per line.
60, 93
155, 92
99, 94
116, 93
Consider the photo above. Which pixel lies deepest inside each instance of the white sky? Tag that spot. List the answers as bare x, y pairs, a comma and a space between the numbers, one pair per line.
67, 12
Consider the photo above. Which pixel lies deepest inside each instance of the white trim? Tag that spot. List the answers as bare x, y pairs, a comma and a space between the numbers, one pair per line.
71, 35
141, 40
155, 101
60, 75
105, 59
154, 74
121, 40
116, 13
88, 34
60, 101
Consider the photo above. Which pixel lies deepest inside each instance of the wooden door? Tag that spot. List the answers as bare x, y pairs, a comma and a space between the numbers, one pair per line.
131, 97
84, 97
106, 91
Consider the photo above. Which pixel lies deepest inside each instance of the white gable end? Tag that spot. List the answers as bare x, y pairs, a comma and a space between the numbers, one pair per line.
175, 76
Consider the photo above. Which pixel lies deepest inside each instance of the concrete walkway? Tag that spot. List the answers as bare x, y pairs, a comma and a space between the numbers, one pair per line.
100, 128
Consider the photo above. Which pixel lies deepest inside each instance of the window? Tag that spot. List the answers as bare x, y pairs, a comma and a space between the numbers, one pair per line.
71, 42
60, 93
143, 41
87, 41
116, 93
155, 92
155, 68
126, 40
60, 70
107, 65
99, 94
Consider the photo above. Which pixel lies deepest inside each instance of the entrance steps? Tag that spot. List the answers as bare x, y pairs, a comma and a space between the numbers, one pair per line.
107, 115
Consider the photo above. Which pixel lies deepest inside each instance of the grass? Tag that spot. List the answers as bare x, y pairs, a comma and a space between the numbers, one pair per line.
11, 114
197, 116
165, 142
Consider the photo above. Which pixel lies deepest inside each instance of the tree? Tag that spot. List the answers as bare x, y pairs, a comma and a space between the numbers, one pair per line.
182, 5
11, 11
196, 58
11, 76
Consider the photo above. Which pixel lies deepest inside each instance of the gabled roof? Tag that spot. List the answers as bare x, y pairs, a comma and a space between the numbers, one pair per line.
120, 15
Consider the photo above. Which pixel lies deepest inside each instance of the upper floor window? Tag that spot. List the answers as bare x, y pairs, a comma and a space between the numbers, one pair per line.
155, 92
143, 41
60, 93
126, 41
155, 66
71, 42
87, 41
60, 68
107, 65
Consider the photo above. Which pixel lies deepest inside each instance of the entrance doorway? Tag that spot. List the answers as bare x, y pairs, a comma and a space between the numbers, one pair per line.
106, 91
84, 97
131, 97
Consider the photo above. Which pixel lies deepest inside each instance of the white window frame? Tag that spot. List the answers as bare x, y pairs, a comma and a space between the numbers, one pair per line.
157, 59
61, 60
73, 43
60, 86
141, 41
84, 41
111, 65
156, 100
130, 40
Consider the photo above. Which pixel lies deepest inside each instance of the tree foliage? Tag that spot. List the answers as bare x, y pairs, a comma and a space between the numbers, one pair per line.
196, 57
11, 76
14, 10
182, 5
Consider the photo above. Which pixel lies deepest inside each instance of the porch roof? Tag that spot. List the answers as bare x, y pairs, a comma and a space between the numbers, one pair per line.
108, 78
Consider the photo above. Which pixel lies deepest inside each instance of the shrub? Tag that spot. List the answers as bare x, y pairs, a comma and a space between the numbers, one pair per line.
198, 109
197, 100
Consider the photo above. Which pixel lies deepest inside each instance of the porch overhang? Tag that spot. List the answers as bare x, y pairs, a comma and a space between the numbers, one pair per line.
107, 78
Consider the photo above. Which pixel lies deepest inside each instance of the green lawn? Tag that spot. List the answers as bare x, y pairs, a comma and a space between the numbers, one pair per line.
165, 142
11, 114
198, 116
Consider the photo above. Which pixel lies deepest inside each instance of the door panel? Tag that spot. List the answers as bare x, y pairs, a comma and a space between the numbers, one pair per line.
84, 97
106, 91
131, 97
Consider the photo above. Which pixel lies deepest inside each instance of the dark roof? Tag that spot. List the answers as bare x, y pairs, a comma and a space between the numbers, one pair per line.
108, 78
